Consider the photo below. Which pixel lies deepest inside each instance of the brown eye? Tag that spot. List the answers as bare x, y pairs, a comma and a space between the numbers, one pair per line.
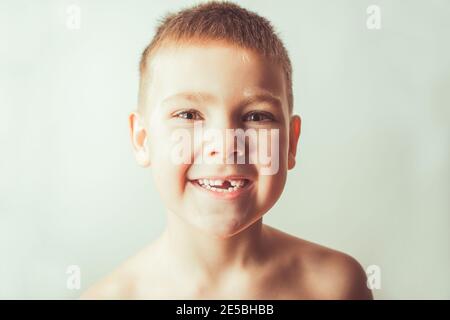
259, 116
188, 115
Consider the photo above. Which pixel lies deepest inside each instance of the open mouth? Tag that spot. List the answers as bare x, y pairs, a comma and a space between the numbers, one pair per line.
223, 187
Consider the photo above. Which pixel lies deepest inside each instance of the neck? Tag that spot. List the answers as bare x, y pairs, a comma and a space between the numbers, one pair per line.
206, 255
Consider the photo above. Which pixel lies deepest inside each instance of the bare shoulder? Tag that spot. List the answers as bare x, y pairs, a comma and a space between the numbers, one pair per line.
116, 285
324, 273
121, 283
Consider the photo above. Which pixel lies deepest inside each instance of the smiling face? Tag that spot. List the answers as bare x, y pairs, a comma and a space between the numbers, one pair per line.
218, 87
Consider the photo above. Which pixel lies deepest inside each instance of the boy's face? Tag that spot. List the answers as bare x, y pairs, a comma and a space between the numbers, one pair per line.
211, 86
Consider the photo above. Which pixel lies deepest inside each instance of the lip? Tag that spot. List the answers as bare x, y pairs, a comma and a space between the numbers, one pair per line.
222, 195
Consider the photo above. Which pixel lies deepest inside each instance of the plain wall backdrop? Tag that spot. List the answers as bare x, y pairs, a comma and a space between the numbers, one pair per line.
372, 177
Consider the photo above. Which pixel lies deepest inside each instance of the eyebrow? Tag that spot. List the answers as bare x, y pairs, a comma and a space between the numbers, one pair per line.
190, 96
259, 97
263, 97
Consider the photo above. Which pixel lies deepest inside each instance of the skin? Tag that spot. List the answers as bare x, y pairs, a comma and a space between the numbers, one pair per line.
215, 248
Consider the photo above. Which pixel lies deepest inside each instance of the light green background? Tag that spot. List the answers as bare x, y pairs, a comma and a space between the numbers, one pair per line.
372, 178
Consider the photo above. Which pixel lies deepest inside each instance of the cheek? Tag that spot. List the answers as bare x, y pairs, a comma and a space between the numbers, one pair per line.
270, 186
272, 152
169, 176
283, 148
170, 181
270, 189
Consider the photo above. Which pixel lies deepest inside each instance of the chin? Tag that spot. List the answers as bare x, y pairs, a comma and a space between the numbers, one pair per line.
224, 229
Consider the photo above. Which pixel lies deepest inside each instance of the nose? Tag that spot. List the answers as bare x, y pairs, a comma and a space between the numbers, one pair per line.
224, 145
226, 148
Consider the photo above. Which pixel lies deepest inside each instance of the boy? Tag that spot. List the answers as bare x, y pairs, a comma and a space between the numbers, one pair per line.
217, 66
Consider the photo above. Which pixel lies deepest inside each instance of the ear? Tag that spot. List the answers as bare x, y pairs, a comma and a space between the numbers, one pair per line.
139, 139
294, 134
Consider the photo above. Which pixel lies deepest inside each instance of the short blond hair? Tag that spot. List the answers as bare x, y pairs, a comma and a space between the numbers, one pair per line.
223, 21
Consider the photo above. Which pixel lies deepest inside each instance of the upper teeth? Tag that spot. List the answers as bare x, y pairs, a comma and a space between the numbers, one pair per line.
219, 182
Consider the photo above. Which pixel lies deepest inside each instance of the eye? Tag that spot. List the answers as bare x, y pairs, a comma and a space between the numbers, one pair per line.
259, 116
188, 115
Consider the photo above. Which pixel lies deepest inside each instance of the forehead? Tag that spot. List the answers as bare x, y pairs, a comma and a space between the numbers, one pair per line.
225, 72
